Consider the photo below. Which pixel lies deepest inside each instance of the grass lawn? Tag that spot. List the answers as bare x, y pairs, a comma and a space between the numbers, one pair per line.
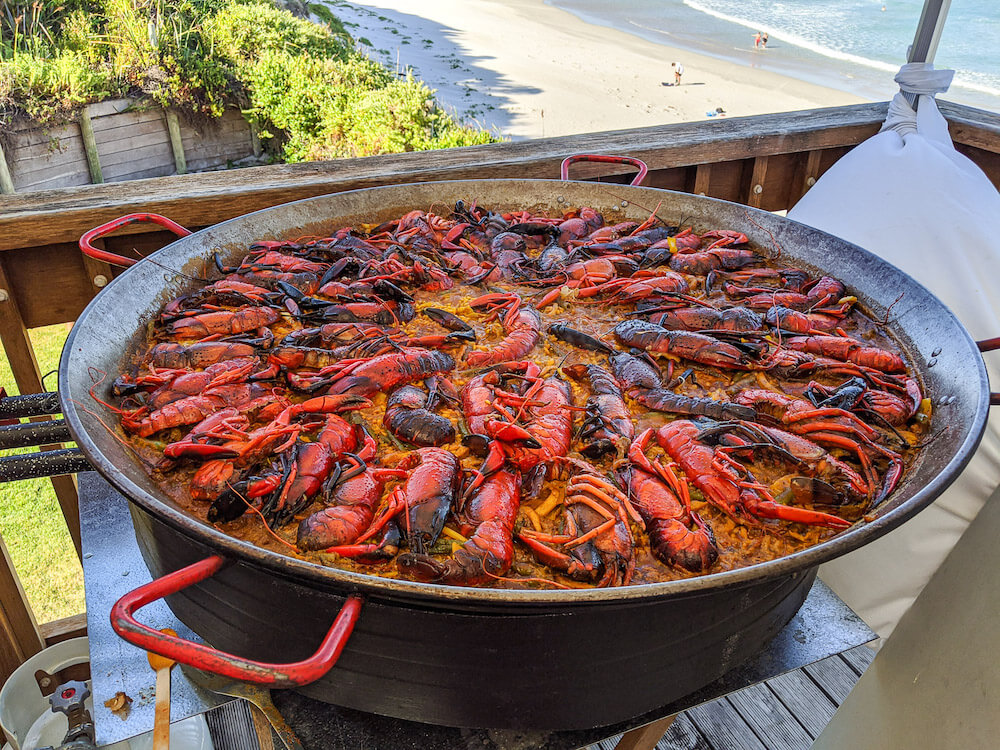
31, 521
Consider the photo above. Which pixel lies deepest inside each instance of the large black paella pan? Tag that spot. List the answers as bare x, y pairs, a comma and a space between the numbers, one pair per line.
496, 657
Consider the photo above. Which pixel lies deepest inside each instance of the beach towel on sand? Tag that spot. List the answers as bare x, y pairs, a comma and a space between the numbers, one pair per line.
908, 196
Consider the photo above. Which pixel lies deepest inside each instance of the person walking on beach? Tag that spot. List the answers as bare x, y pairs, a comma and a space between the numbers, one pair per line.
756, 40
678, 72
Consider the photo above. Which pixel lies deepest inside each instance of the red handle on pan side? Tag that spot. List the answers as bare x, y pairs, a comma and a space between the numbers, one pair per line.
120, 260
989, 345
637, 180
212, 660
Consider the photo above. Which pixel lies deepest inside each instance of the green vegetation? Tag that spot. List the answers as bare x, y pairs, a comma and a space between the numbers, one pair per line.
307, 86
324, 14
31, 521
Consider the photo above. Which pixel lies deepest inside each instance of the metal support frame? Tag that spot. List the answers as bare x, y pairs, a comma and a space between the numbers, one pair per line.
927, 36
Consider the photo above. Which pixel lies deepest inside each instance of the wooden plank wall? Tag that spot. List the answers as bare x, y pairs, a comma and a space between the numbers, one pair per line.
50, 158
132, 143
211, 145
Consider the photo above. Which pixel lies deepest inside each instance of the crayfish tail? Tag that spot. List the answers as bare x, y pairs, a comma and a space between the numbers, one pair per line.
228, 506
466, 568
677, 545
358, 385
341, 524
421, 567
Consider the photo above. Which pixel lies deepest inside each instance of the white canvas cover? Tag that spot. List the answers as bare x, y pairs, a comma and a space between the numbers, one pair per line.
908, 196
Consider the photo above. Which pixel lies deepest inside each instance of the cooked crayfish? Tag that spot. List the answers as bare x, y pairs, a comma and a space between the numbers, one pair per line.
598, 540
489, 552
677, 534
726, 484
522, 325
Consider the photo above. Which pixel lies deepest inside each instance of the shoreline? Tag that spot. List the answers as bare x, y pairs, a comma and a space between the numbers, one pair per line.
531, 70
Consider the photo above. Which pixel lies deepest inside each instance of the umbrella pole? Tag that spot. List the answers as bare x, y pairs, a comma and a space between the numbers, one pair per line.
925, 41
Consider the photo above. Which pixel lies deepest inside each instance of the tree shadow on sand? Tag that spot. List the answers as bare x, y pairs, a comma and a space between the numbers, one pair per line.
465, 89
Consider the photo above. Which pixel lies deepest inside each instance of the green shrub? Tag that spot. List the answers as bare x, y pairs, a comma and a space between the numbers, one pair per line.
302, 82
48, 88
243, 30
169, 54
287, 94
323, 13
330, 109
79, 30
401, 116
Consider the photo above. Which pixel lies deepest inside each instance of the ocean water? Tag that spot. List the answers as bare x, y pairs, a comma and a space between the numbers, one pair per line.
850, 45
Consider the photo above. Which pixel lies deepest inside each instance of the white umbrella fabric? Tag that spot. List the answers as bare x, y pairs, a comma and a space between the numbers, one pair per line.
908, 196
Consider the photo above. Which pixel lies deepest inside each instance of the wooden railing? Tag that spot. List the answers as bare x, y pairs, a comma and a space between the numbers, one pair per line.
767, 161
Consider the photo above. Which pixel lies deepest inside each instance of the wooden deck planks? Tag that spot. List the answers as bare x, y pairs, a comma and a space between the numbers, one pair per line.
805, 699
683, 735
722, 726
771, 720
785, 713
859, 659
759, 717
834, 676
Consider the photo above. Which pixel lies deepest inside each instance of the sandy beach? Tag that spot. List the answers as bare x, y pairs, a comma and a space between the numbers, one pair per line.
529, 70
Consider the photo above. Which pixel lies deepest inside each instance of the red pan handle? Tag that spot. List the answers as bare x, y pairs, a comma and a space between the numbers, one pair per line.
637, 180
989, 345
209, 659
120, 260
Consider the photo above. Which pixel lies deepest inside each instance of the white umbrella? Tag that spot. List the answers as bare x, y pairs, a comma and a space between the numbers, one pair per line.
908, 196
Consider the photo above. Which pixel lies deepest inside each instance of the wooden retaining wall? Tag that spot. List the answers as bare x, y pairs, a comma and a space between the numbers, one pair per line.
122, 139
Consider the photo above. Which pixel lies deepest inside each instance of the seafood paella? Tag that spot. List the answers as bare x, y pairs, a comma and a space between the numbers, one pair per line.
507, 399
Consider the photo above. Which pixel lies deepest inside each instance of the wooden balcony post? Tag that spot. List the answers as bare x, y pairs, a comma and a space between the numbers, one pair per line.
176, 144
20, 637
90, 147
17, 345
645, 737
100, 273
702, 179
6, 181
756, 197
812, 172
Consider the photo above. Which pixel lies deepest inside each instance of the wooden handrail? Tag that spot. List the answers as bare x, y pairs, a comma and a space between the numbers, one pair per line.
62, 215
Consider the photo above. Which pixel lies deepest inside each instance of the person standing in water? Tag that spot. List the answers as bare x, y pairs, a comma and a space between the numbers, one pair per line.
678, 72
756, 40
763, 40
